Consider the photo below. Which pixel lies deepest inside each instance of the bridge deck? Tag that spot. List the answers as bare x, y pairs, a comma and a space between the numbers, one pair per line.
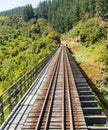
60, 98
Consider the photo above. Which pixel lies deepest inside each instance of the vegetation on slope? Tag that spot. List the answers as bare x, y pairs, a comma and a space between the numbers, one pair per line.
89, 43
18, 11
64, 14
22, 46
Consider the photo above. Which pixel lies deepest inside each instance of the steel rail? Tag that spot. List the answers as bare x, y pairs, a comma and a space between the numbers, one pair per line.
52, 98
63, 105
38, 125
69, 95
76, 106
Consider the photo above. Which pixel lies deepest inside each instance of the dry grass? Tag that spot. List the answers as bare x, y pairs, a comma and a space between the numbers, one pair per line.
89, 60
93, 70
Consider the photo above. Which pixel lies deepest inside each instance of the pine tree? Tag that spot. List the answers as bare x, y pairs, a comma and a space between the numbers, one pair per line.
28, 13
64, 14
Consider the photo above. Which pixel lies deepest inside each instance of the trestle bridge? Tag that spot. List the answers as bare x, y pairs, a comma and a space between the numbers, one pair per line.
59, 98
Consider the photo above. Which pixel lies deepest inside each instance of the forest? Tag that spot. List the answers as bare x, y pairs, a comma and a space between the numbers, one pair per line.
22, 46
28, 34
64, 14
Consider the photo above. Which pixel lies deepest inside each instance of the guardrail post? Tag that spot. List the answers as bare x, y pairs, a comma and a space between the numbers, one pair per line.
33, 75
25, 84
16, 95
9, 100
35, 72
20, 83
30, 77
28, 80
1, 110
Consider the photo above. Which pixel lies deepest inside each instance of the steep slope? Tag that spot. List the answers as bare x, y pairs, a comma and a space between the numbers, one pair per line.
89, 43
23, 45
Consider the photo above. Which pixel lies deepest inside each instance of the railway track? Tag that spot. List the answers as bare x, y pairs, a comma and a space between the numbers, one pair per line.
59, 100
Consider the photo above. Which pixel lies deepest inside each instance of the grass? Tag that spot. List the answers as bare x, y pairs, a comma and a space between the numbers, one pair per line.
90, 60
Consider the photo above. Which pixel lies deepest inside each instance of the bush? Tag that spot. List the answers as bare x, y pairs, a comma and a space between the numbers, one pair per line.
23, 45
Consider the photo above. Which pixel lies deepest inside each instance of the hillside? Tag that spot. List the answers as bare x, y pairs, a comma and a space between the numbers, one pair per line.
22, 46
88, 41
64, 14
15, 11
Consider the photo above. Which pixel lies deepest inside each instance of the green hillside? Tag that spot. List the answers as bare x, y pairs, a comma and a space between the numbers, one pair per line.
15, 11
22, 46
89, 43
64, 14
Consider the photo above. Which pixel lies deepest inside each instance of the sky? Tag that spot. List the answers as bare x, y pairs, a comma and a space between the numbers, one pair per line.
9, 4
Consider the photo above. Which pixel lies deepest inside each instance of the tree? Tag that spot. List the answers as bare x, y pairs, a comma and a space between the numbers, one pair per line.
28, 13
7, 68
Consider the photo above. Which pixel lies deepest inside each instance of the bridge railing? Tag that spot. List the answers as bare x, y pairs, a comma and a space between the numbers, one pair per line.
10, 97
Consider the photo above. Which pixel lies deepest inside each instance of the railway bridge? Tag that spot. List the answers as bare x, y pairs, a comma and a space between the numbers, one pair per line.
58, 99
